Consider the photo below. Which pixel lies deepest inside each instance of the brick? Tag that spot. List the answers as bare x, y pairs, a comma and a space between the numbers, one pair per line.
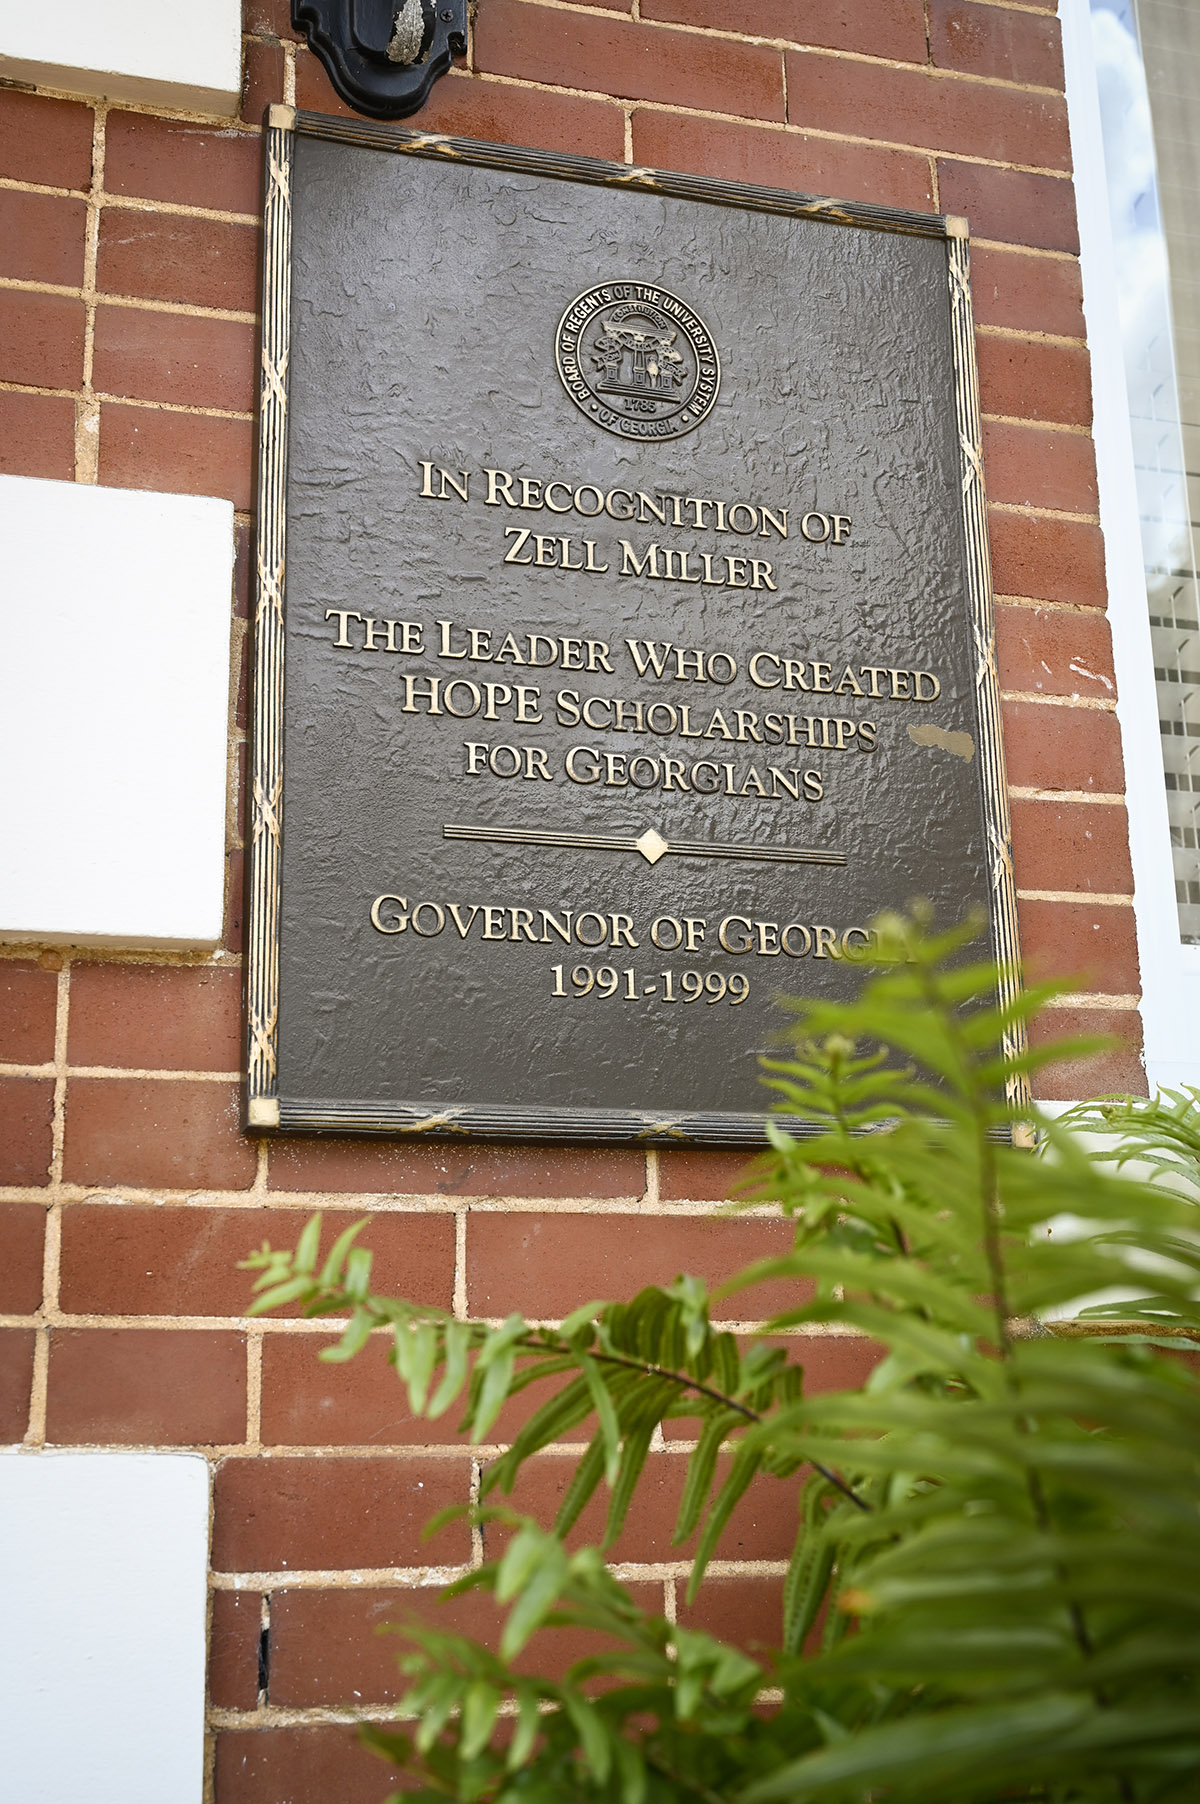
1116, 1068
886, 28
232, 933
46, 141
155, 1017
241, 706
327, 1513
1030, 380
1011, 205
26, 1119
133, 1259
37, 436
263, 74
464, 106
28, 1006
175, 357
233, 1641
176, 160
910, 106
182, 1135
1036, 294
41, 238
41, 339
778, 159
137, 1387
185, 454
762, 1527
300, 1766
16, 1382
269, 19
361, 1403
1094, 947
701, 1176
169, 257
22, 1236
1062, 748
995, 41
398, 1167
1030, 467
630, 61
1052, 652
332, 1647
746, 1612
1047, 560
1071, 846
242, 568
546, 1265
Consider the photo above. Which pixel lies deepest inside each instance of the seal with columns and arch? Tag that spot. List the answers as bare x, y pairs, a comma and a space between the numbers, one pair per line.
637, 360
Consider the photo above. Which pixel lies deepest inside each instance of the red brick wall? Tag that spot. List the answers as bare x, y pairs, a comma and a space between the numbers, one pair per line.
128, 246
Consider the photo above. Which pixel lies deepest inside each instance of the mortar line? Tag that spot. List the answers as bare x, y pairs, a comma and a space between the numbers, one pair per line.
1094, 898
140, 302
254, 1366
423, 1578
87, 408
178, 958
279, 1202
477, 1554
85, 396
460, 1306
1097, 703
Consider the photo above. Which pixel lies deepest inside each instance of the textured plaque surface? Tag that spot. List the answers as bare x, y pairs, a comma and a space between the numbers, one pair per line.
635, 650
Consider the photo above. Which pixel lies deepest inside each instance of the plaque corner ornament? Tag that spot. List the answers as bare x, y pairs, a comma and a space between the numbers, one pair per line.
637, 360
383, 56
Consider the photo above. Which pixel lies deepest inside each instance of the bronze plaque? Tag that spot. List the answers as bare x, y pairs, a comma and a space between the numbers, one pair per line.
624, 637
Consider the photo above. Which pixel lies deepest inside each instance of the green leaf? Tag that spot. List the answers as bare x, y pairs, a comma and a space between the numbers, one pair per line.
701, 1467
280, 1294
597, 1750
456, 1344
354, 1338
339, 1250
526, 1733
746, 1464
305, 1256
607, 1418
480, 1708
538, 1596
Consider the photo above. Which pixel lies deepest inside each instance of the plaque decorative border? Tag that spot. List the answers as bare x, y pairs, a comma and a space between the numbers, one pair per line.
265, 1109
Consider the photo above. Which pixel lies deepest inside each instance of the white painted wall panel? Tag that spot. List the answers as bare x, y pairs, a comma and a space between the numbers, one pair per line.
114, 695
161, 52
102, 1572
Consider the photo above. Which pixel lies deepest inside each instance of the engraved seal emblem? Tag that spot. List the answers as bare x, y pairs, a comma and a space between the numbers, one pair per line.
637, 360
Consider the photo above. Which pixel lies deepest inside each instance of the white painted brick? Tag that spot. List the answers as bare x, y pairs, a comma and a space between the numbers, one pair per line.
114, 695
159, 52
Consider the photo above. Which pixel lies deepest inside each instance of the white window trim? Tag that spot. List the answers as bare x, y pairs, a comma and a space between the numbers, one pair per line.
1170, 1005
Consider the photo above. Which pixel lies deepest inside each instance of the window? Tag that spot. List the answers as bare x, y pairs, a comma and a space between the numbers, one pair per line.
1133, 84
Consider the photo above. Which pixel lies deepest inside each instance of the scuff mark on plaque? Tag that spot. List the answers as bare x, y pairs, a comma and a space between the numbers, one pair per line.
961, 744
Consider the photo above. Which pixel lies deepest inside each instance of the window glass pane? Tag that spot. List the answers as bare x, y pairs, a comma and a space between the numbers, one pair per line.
1148, 69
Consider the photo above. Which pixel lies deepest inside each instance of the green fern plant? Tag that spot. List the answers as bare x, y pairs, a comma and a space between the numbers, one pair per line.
995, 1587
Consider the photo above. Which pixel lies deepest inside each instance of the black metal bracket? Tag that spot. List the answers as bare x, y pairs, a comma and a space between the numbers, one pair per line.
383, 56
